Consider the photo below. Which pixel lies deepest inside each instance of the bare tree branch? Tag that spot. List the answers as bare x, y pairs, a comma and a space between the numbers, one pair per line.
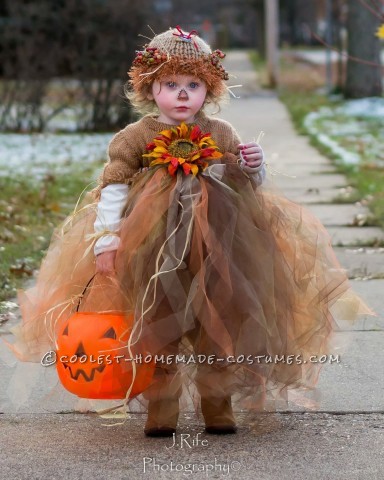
345, 54
372, 10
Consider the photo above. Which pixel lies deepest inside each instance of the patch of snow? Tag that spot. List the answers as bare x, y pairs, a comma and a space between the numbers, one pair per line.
347, 130
36, 155
363, 107
346, 156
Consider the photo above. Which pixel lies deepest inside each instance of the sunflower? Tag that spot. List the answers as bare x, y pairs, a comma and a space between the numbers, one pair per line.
183, 147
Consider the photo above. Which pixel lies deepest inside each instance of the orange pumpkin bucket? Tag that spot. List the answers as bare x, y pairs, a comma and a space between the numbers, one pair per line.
93, 360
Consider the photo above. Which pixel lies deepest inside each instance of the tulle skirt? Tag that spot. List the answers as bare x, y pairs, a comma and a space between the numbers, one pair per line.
233, 289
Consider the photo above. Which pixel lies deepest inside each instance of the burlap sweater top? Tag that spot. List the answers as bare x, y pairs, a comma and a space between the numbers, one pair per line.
127, 147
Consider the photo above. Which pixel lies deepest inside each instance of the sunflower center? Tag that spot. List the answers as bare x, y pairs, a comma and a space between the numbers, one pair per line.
181, 148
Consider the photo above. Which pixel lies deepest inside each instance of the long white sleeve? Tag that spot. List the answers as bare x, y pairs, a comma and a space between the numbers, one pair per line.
109, 209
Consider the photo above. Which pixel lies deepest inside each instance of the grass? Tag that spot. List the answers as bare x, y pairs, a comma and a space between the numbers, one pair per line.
299, 91
300, 104
29, 212
369, 181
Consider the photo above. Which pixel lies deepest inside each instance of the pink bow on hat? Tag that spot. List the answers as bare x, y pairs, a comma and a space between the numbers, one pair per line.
186, 37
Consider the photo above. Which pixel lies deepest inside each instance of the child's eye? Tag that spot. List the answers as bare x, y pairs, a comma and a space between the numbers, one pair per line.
193, 85
171, 84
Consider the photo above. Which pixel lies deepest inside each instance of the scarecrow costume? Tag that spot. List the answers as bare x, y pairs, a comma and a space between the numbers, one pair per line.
213, 264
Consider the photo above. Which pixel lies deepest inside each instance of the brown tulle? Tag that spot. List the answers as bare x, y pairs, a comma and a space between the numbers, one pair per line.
211, 266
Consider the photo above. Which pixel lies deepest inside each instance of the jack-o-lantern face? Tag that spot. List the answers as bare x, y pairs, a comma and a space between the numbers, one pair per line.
92, 357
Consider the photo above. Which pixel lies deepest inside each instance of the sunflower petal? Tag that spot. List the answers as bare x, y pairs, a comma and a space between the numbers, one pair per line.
172, 169
161, 150
166, 133
160, 143
207, 152
183, 130
195, 170
205, 136
154, 155
174, 161
195, 133
159, 161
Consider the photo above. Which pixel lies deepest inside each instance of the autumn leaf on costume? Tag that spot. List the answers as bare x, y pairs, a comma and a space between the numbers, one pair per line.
183, 148
380, 32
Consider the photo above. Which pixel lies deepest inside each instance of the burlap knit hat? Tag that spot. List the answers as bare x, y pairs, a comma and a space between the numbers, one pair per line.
176, 52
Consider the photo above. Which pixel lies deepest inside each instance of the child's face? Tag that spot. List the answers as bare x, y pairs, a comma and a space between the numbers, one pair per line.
179, 98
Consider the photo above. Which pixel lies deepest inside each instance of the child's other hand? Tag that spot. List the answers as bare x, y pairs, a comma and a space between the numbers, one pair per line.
105, 262
252, 154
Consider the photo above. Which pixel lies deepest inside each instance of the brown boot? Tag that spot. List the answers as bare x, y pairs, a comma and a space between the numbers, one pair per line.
163, 402
162, 418
218, 415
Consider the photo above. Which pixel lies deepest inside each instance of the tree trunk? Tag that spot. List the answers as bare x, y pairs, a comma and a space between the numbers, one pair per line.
272, 41
362, 80
260, 27
337, 40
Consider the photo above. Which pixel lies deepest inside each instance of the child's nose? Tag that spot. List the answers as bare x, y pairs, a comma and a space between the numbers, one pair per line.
183, 95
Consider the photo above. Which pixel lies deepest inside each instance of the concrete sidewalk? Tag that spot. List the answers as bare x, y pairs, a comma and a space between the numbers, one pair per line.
343, 440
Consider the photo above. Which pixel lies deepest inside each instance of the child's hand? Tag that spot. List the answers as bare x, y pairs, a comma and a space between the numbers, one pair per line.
105, 262
252, 155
